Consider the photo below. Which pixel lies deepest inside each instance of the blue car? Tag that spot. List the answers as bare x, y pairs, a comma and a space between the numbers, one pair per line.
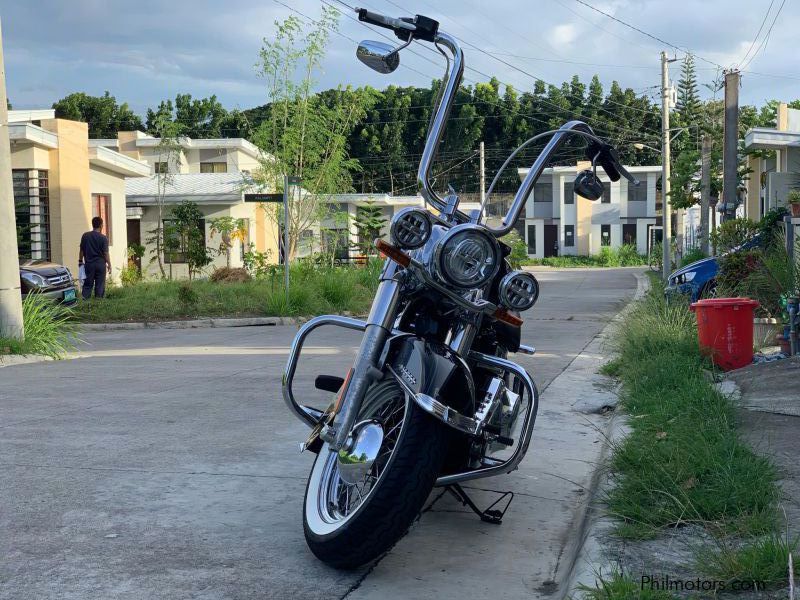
695, 280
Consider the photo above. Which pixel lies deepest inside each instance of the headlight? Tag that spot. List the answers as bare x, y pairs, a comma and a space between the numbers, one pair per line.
411, 228
519, 290
467, 256
687, 277
33, 279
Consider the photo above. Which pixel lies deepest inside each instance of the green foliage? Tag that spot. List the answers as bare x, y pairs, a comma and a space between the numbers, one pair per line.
187, 296
621, 587
230, 230
793, 197
625, 256
764, 560
683, 460
369, 223
49, 329
186, 236
692, 255
519, 249
258, 263
733, 233
102, 114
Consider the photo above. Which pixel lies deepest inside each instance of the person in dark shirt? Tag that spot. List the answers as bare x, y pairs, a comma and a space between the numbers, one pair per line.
94, 256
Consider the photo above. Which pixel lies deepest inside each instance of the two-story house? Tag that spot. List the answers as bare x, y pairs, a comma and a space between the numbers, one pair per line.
214, 174
559, 222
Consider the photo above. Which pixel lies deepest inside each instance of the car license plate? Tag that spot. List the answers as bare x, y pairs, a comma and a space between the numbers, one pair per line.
69, 295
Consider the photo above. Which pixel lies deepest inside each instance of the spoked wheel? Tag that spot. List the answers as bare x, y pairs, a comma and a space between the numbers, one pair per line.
352, 519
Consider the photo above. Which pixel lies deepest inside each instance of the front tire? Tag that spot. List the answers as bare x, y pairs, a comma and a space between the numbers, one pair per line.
347, 526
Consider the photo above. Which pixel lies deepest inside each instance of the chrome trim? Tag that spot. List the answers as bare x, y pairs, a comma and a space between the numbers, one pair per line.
521, 197
497, 468
513, 293
436, 261
305, 413
523, 349
453, 80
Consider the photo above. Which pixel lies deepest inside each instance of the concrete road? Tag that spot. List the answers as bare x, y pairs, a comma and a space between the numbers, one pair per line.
164, 464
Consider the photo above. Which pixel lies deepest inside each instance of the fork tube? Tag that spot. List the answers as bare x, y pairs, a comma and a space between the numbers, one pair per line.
365, 368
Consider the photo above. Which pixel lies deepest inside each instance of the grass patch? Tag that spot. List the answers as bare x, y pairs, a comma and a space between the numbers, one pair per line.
620, 587
49, 329
683, 461
625, 256
311, 291
764, 561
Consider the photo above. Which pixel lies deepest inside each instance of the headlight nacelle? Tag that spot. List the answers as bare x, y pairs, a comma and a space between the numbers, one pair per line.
519, 290
467, 256
411, 228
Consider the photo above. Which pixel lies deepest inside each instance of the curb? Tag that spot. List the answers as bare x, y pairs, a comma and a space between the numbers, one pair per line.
587, 549
196, 323
11, 360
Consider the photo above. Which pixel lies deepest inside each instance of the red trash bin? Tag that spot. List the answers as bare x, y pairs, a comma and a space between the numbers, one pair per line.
725, 330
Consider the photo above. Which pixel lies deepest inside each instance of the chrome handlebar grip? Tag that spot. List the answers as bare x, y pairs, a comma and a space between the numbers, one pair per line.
518, 205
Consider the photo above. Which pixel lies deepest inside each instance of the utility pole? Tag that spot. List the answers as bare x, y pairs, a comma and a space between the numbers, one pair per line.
11, 324
730, 158
483, 175
705, 191
286, 235
665, 167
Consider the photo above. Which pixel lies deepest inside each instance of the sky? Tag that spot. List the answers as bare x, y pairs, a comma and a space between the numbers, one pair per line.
145, 51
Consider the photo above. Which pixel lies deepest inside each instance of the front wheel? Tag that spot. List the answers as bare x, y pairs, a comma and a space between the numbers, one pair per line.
349, 525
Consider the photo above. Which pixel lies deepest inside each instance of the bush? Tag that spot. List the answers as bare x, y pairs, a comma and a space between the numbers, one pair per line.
692, 255
629, 256
519, 249
48, 329
230, 275
186, 295
733, 233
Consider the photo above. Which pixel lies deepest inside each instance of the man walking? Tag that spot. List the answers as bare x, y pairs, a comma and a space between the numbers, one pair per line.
94, 256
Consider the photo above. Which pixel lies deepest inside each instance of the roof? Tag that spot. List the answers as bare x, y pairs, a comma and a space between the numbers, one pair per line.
119, 163
573, 169
23, 116
204, 144
377, 198
208, 188
767, 138
21, 131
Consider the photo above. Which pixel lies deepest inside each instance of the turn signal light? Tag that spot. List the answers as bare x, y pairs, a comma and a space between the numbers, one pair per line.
393, 252
501, 314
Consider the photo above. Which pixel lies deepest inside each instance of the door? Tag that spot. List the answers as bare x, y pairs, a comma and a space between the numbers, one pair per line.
629, 234
550, 240
135, 240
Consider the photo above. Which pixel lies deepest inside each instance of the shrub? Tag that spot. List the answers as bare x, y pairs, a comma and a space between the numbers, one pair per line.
629, 256
519, 249
733, 233
692, 255
230, 275
607, 257
49, 329
186, 295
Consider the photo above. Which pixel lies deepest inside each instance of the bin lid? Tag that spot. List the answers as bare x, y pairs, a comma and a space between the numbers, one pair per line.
724, 302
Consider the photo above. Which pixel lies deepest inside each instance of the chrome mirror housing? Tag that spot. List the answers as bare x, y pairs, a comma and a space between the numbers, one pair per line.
378, 56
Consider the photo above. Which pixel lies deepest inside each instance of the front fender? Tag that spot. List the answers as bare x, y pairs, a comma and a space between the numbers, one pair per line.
432, 369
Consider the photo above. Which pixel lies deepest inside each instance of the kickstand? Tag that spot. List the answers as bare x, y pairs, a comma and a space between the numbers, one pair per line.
491, 514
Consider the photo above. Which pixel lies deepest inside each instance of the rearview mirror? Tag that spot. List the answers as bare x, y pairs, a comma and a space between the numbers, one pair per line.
378, 56
588, 185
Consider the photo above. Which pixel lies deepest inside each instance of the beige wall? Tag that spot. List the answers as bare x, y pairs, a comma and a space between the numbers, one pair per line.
583, 219
70, 198
103, 181
28, 156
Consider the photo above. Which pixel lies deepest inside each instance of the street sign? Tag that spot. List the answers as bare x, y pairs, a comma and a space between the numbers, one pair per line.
264, 198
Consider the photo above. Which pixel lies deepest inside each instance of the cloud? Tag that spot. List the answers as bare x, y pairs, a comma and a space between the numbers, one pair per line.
563, 35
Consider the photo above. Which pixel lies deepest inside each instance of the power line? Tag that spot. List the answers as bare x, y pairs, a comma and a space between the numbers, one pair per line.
758, 33
765, 39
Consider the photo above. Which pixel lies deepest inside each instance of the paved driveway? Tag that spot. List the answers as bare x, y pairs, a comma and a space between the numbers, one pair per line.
163, 464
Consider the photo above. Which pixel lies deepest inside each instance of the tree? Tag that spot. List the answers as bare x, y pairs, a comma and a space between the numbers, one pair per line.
229, 230
369, 222
187, 236
101, 113
305, 134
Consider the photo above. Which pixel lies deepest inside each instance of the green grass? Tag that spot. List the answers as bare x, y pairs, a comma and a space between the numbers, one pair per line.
683, 460
620, 587
625, 256
311, 291
49, 330
765, 560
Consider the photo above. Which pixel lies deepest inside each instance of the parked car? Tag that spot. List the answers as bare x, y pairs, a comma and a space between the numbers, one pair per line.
48, 279
699, 279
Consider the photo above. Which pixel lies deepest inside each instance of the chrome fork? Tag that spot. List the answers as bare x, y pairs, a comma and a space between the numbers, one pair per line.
366, 369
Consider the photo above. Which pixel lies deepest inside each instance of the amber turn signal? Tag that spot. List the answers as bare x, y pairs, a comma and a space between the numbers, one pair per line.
397, 255
501, 314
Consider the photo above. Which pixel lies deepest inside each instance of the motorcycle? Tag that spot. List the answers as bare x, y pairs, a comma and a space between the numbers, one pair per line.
432, 398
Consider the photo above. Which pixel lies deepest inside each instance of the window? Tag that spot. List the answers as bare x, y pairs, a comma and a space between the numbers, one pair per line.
606, 194
637, 193
531, 239
605, 235
213, 167
336, 241
629, 234
569, 236
160, 167
101, 207
32, 213
543, 192
569, 193
175, 244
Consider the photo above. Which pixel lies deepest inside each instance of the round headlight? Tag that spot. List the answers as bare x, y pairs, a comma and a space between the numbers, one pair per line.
467, 256
33, 279
518, 290
411, 228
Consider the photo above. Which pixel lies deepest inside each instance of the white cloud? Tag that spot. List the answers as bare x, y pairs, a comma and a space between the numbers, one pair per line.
562, 35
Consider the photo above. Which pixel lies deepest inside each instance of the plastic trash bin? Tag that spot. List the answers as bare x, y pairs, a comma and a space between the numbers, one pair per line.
725, 330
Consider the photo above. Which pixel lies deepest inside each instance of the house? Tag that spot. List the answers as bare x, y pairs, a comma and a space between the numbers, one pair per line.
559, 222
61, 181
214, 174
773, 174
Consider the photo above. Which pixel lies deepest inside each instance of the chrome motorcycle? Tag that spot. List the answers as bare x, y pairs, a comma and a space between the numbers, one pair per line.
431, 398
